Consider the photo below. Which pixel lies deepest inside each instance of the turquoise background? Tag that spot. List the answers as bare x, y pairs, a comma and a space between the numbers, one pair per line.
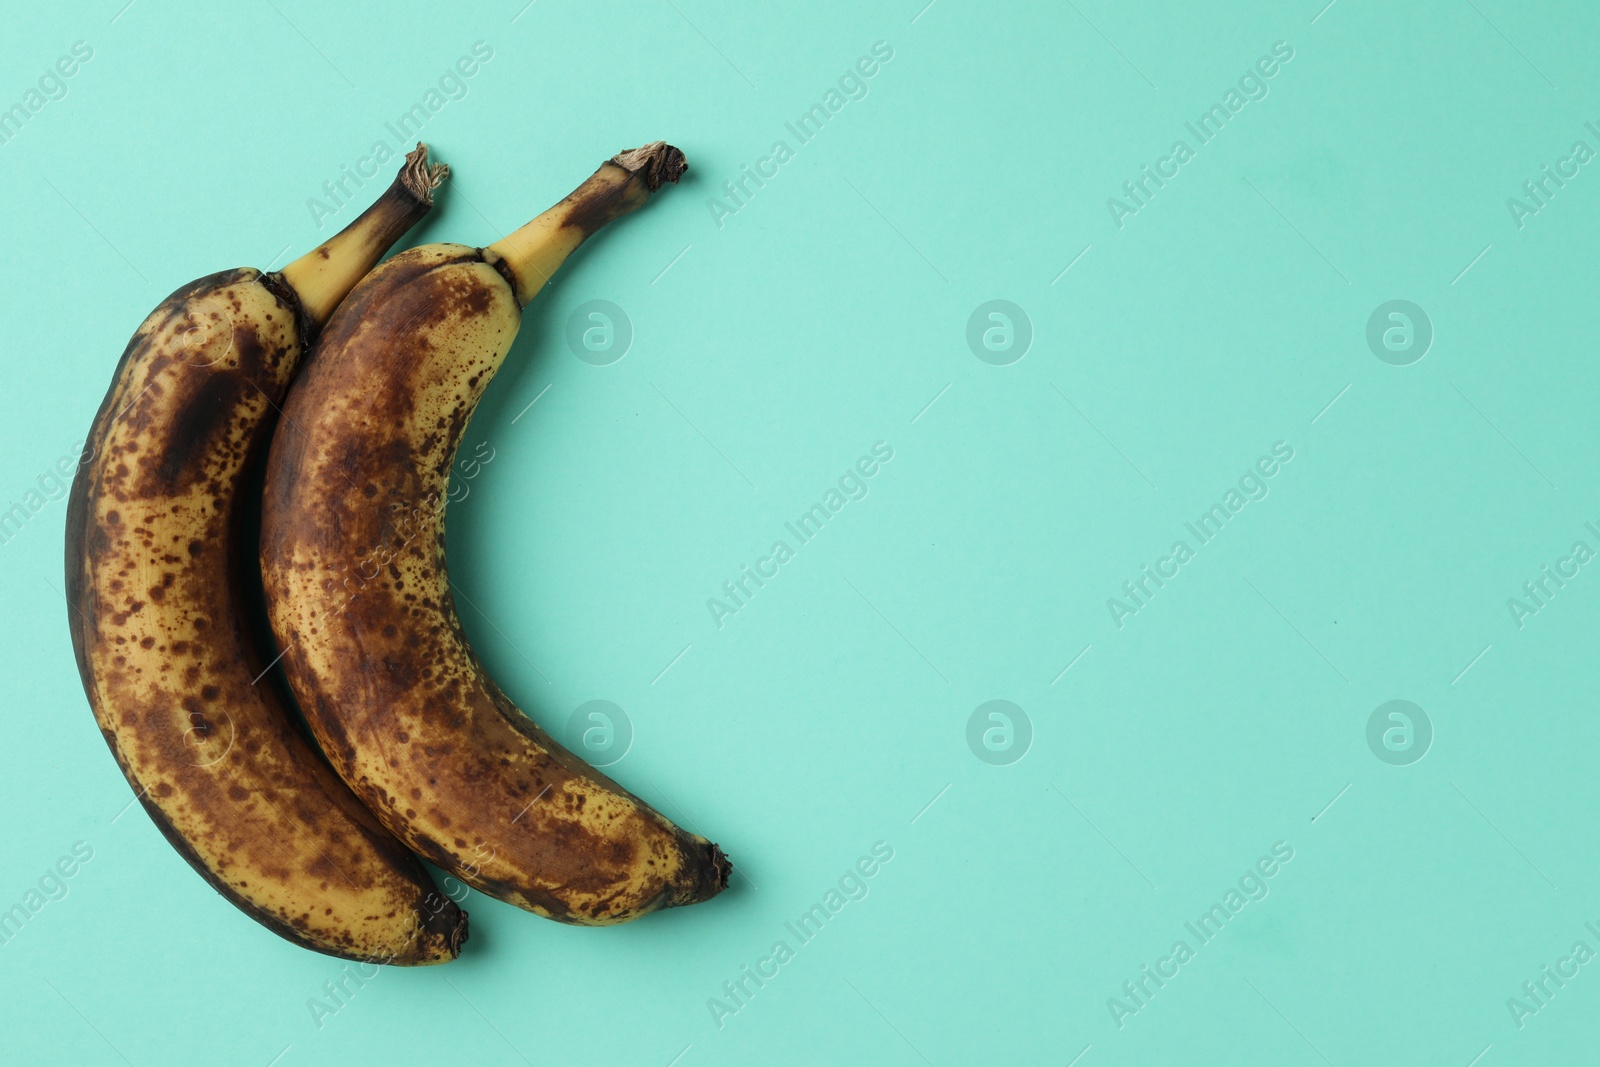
1229, 714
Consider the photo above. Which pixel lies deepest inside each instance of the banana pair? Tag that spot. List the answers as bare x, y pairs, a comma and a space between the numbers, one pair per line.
211, 437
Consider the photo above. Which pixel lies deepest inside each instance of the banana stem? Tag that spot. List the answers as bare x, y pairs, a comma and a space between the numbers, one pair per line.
621, 185
324, 276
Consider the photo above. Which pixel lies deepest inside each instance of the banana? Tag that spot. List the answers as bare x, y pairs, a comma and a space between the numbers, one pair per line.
166, 616
359, 595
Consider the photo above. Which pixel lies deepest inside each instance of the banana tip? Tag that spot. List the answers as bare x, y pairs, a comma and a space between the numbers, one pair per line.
721, 866
447, 928
705, 874
458, 933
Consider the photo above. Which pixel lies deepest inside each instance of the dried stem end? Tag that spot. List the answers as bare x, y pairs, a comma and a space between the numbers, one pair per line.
421, 177
656, 162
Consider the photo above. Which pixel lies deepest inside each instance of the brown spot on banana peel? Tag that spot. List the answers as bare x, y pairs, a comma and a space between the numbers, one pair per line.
156, 507
440, 753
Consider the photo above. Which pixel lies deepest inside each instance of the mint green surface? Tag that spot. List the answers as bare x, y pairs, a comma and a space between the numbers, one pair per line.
775, 344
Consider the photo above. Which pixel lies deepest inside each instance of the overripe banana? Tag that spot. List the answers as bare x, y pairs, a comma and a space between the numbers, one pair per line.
164, 600
360, 599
